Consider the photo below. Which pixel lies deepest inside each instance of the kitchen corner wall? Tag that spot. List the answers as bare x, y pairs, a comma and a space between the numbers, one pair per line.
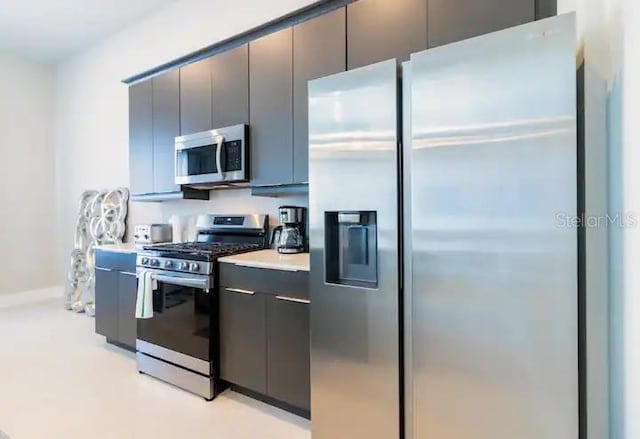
91, 114
26, 176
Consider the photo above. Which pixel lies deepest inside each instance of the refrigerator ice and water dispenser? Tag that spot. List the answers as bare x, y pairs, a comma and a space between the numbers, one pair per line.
351, 248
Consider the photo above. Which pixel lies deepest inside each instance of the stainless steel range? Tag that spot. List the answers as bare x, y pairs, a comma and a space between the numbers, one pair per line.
179, 344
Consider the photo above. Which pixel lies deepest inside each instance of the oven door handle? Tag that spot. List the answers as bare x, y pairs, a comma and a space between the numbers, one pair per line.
190, 282
220, 140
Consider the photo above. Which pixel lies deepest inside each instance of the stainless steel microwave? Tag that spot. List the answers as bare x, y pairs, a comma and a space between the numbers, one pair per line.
213, 157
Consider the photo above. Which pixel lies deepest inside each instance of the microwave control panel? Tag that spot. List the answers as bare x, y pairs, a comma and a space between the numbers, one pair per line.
232, 155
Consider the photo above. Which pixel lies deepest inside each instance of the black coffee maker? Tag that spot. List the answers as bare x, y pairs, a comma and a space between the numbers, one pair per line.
289, 236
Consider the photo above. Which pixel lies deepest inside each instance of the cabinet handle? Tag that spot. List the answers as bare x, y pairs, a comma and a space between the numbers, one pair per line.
128, 273
293, 299
103, 269
238, 290
264, 267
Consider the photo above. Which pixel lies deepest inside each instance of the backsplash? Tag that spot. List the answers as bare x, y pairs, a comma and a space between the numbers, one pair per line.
228, 201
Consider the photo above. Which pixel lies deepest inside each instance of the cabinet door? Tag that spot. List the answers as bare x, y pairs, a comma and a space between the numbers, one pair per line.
288, 351
546, 9
455, 20
107, 303
319, 49
140, 138
270, 106
195, 97
230, 87
378, 30
127, 324
243, 345
166, 126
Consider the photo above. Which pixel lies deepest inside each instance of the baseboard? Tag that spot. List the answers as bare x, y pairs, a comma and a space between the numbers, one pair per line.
271, 401
8, 300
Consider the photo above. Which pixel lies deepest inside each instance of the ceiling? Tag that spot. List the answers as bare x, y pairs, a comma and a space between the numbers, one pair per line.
50, 30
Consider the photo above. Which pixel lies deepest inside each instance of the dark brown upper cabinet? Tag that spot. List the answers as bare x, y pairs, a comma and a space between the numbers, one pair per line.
214, 92
141, 138
455, 20
271, 108
230, 87
319, 49
195, 97
546, 9
166, 126
378, 30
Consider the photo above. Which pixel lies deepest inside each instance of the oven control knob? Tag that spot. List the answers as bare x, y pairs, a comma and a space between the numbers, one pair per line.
194, 266
168, 264
184, 266
154, 262
145, 261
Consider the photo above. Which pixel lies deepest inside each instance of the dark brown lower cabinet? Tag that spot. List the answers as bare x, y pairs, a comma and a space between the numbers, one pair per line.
127, 324
264, 335
243, 340
115, 295
107, 302
288, 373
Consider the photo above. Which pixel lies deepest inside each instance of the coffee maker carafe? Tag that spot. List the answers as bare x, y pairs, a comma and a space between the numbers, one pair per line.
289, 236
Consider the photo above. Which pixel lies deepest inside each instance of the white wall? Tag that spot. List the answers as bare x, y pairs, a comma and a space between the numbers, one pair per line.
594, 38
610, 36
92, 104
27, 214
627, 178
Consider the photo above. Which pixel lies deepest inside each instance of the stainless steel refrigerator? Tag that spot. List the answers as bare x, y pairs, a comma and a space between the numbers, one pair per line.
444, 259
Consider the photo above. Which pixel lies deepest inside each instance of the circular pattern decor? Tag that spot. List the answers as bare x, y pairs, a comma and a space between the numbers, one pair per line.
101, 220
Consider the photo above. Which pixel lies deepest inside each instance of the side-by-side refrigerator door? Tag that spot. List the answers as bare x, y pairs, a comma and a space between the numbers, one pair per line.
353, 198
493, 266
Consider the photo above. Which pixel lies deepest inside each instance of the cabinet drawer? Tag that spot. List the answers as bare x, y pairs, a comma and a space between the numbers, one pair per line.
116, 260
278, 282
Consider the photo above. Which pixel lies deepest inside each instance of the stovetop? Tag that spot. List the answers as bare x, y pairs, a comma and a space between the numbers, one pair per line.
217, 236
203, 251
195, 258
214, 249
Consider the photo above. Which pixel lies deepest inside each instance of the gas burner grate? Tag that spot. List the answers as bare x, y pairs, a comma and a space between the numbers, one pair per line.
213, 249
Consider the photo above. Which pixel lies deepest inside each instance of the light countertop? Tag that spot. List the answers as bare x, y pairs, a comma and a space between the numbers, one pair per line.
270, 259
127, 247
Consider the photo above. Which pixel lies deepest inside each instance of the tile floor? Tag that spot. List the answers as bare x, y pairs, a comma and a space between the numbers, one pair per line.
60, 380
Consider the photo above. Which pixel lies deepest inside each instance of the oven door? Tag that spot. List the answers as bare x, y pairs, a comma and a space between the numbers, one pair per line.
183, 309
215, 156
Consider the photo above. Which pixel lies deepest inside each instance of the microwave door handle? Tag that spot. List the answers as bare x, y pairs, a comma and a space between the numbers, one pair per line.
220, 141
